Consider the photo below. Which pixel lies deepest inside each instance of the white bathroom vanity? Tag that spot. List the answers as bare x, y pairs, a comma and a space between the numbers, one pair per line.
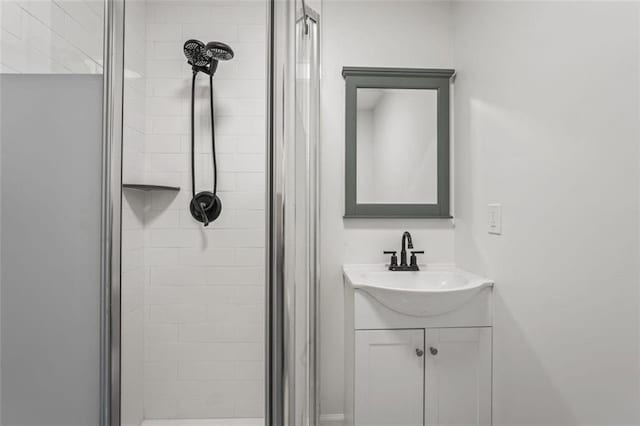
418, 346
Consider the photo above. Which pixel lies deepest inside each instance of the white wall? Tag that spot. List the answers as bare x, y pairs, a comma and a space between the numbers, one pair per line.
381, 33
204, 302
51, 36
547, 125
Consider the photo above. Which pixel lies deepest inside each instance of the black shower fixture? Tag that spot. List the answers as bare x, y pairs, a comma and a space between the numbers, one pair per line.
204, 58
205, 206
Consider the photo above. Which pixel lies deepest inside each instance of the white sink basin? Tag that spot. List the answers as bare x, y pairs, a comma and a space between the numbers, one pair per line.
433, 290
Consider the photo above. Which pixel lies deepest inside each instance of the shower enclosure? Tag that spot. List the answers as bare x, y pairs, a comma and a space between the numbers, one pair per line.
172, 219
215, 313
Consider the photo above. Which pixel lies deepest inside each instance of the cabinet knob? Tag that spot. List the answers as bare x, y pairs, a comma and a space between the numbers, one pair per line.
434, 351
419, 352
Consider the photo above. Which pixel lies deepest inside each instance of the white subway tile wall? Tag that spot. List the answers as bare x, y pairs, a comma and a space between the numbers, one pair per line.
133, 278
134, 272
204, 296
51, 36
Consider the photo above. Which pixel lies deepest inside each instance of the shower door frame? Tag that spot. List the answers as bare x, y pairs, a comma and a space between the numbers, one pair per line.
279, 106
110, 228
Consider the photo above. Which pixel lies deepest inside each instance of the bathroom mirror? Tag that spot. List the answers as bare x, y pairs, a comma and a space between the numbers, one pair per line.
397, 142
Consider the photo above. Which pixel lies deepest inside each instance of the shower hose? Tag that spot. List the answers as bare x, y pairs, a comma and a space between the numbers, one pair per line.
200, 206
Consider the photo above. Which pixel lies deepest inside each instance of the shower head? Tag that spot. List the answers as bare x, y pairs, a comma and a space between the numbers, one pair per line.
205, 58
218, 51
194, 50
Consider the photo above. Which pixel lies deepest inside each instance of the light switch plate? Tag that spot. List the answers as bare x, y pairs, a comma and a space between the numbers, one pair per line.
494, 222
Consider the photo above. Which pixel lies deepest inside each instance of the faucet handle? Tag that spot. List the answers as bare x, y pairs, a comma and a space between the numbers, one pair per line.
414, 259
394, 258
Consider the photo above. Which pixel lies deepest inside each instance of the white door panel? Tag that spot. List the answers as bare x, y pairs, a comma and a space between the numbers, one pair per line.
389, 378
458, 376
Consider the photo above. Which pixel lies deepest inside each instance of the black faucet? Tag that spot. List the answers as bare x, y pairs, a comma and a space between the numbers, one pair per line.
406, 238
406, 243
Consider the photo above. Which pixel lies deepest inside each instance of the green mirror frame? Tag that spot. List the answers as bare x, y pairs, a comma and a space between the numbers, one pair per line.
397, 78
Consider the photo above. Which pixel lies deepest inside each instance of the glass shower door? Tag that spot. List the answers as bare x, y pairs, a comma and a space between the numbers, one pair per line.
57, 154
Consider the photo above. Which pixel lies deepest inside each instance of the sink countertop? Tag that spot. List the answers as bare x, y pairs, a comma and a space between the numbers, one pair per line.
434, 290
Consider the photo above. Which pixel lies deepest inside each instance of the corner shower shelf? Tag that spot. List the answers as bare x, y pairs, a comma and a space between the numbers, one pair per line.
147, 187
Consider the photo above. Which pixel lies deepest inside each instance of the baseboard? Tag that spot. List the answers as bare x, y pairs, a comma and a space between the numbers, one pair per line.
331, 419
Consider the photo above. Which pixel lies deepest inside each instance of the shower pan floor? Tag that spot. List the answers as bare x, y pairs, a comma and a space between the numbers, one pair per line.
204, 422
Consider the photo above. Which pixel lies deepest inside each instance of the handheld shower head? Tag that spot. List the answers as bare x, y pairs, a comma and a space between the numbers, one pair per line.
205, 58
218, 51
194, 50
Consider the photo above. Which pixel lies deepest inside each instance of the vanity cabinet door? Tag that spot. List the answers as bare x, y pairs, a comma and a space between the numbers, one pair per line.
458, 376
389, 378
